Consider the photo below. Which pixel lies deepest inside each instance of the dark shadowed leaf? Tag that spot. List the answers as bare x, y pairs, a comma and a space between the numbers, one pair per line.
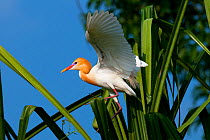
205, 120
103, 119
2, 125
57, 116
9, 130
153, 127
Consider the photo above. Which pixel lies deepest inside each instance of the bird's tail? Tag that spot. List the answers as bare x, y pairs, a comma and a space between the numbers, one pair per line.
140, 63
132, 81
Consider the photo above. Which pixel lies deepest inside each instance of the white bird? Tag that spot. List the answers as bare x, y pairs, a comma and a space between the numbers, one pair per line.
115, 58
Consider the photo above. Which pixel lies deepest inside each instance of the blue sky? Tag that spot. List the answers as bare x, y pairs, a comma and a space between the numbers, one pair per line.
45, 37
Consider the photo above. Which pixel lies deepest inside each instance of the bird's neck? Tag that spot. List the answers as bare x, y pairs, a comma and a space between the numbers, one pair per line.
88, 77
85, 74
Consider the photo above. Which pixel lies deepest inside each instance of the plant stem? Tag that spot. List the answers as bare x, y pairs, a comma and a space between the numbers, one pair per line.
169, 51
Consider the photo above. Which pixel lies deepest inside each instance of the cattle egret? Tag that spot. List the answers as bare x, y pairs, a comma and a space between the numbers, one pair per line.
115, 58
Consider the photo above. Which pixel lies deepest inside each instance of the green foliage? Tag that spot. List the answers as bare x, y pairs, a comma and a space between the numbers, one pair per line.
24, 121
57, 116
160, 48
195, 24
207, 5
101, 114
194, 115
9, 60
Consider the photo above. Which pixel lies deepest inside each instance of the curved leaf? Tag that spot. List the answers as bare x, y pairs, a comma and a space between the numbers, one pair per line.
51, 124
183, 64
168, 54
57, 116
168, 127
153, 127
23, 124
184, 87
168, 26
205, 120
194, 115
10, 130
12, 62
207, 5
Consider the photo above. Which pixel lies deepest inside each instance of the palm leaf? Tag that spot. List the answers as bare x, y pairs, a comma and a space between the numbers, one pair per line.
23, 124
168, 128
103, 119
189, 114
146, 51
57, 116
207, 5
9, 130
194, 115
51, 124
166, 60
205, 120
186, 66
12, 62
136, 121
166, 26
184, 87
153, 127
117, 126
118, 121
27, 111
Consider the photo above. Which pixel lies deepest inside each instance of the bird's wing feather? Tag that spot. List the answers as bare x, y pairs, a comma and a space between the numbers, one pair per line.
105, 34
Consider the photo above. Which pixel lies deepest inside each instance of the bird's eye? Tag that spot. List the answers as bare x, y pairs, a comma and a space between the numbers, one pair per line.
75, 63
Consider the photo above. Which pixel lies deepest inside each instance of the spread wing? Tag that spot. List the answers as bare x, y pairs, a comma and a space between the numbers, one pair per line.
105, 34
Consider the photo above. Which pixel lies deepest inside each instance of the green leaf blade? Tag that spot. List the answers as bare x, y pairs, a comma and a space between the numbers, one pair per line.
6, 56
194, 115
23, 124
207, 5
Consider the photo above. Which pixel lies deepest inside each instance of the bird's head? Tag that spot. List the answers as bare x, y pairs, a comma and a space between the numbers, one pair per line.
79, 64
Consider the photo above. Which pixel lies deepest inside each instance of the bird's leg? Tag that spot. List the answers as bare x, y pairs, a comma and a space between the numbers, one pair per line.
118, 104
119, 109
116, 94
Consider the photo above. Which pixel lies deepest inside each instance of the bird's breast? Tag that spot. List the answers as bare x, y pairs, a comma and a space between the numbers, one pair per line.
88, 78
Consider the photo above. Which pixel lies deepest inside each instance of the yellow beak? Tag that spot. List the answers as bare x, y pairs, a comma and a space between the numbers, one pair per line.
64, 70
